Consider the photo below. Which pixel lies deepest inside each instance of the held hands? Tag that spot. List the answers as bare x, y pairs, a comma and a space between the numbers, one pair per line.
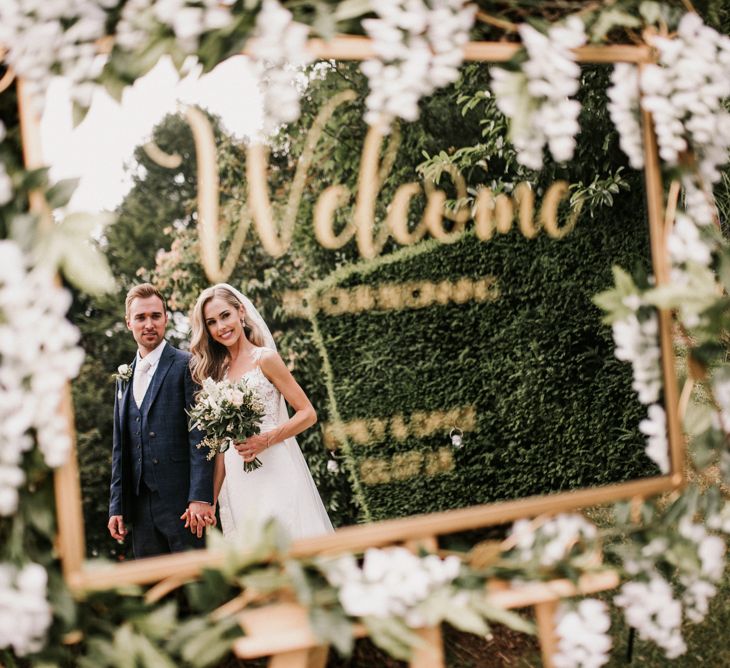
253, 446
197, 516
116, 527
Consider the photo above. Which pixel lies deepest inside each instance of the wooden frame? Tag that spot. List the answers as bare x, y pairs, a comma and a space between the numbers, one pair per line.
71, 543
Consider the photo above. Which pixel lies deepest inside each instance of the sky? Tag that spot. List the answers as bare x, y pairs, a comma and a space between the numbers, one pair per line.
96, 150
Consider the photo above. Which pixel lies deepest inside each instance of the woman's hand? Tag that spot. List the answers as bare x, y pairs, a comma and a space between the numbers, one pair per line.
253, 446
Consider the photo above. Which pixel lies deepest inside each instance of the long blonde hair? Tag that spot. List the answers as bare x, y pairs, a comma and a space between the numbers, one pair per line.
209, 357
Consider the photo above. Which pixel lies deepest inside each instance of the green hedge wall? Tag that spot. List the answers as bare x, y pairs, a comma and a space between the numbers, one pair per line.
554, 408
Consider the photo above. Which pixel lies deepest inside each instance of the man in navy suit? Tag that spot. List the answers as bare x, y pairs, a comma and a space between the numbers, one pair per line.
157, 470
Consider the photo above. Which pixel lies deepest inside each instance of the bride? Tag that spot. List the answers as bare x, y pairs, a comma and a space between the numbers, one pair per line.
231, 340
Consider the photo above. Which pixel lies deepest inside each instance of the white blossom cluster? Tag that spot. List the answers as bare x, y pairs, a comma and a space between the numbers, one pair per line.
419, 48
686, 243
188, 20
623, 107
582, 635
654, 427
25, 614
685, 92
637, 341
279, 49
391, 582
551, 542
650, 607
38, 354
537, 100
46, 37
720, 520
698, 202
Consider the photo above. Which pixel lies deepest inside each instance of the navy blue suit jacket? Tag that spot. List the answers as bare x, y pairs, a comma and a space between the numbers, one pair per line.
183, 473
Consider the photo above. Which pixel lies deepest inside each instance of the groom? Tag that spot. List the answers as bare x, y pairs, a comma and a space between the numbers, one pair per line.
157, 470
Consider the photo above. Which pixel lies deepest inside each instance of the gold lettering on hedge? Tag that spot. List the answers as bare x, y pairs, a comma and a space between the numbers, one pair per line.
420, 424
390, 296
405, 465
490, 213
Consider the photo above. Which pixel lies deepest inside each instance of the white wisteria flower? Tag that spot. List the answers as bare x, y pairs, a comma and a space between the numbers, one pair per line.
686, 91
582, 634
623, 106
391, 582
553, 541
655, 428
279, 50
686, 242
710, 549
699, 202
187, 19
38, 354
25, 614
419, 49
6, 185
46, 38
537, 99
650, 607
637, 341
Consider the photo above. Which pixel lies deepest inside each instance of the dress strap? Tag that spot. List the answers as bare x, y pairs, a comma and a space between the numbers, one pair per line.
256, 355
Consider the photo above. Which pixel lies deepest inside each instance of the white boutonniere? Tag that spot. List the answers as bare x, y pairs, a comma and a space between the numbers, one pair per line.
124, 375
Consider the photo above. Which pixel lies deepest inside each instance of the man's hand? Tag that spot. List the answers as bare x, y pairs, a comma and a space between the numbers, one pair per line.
116, 527
197, 516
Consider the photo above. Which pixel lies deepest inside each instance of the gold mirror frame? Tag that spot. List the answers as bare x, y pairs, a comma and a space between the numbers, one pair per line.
71, 542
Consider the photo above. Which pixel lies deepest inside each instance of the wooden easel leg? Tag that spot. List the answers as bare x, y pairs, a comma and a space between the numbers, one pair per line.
431, 653
315, 657
545, 615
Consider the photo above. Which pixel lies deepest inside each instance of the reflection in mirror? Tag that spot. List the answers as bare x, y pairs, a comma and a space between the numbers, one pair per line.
434, 300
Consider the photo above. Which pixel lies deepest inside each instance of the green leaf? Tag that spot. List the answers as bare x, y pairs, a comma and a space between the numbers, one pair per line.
334, 627
501, 616
697, 418
393, 636
608, 19
159, 623
60, 193
466, 619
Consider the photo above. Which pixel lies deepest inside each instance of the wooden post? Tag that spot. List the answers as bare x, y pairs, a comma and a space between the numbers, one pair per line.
545, 615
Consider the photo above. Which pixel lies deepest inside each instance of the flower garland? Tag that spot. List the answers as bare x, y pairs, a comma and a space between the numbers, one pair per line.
582, 632
537, 98
685, 92
280, 53
24, 611
47, 38
419, 49
39, 354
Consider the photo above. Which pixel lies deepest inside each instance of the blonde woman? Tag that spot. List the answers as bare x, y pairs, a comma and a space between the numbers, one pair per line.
231, 340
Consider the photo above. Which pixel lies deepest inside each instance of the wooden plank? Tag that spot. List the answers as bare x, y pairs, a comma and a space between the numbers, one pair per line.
545, 616
355, 47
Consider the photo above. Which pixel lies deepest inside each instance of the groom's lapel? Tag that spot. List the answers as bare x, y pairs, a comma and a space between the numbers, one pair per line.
163, 366
126, 393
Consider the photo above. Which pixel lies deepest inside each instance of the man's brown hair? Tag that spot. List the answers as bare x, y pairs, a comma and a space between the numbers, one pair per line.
142, 291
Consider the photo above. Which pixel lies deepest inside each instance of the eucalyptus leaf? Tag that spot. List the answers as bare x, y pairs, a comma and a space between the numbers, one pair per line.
158, 623
60, 193
350, 9
501, 616
334, 627
465, 619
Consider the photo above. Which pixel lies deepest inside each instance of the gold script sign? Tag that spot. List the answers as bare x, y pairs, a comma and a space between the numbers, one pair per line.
490, 213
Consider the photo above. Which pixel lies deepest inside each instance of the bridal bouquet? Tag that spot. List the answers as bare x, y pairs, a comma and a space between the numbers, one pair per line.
227, 412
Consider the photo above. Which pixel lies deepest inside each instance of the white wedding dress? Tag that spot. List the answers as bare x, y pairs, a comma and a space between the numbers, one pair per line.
282, 488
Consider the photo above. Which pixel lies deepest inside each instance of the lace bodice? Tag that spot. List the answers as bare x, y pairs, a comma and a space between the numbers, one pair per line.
269, 395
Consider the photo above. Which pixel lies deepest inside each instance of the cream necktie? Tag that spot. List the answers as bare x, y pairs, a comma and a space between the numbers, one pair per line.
141, 380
